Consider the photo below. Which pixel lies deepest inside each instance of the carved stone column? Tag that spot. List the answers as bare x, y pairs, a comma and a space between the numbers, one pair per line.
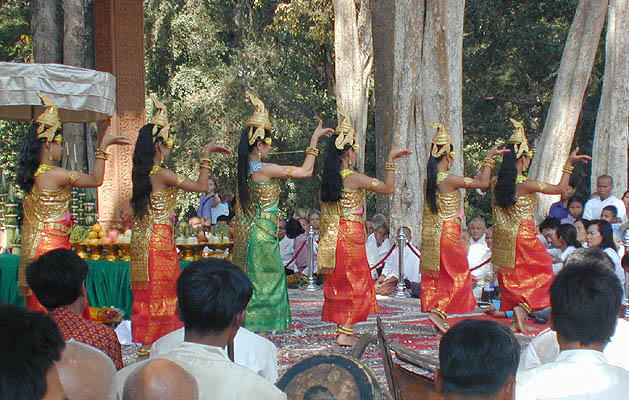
119, 49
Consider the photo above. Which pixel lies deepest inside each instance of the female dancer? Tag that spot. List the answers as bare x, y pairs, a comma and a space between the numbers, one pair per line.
47, 220
348, 287
154, 262
524, 267
446, 285
257, 249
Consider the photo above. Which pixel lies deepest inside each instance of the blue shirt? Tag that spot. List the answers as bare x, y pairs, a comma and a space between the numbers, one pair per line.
558, 211
205, 207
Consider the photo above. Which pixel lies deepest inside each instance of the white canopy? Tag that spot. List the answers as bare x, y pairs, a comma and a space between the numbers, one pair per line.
81, 94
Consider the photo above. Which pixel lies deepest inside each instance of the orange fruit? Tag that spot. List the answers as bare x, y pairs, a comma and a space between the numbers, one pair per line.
97, 228
92, 235
102, 234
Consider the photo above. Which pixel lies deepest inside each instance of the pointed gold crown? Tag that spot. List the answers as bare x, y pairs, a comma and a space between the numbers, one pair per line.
345, 131
259, 121
440, 141
519, 140
160, 120
48, 121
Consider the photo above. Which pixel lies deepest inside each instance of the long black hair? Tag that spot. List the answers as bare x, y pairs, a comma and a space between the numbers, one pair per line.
142, 164
568, 233
244, 149
504, 192
30, 159
431, 181
331, 181
605, 228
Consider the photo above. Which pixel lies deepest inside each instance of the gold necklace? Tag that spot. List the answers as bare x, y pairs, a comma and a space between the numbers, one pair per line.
155, 169
43, 168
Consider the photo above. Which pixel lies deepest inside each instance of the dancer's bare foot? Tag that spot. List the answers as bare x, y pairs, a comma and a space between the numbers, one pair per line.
346, 340
520, 324
440, 324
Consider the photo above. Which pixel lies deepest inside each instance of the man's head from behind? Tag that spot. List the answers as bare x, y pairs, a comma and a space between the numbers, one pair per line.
160, 379
57, 278
30, 343
212, 295
478, 360
585, 300
86, 373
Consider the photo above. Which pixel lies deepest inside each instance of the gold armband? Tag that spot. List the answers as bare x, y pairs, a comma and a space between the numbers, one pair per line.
205, 166
180, 179
467, 181
390, 166
102, 154
289, 171
374, 182
541, 186
313, 151
489, 162
73, 176
568, 169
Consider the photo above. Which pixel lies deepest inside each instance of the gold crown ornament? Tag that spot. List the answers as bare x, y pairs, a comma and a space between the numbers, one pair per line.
519, 141
259, 121
441, 142
48, 121
346, 132
160, 120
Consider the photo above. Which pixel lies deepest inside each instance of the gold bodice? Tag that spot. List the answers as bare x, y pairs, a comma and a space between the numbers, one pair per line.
44, 205
448, 209
351, 203
162, 205
265, 195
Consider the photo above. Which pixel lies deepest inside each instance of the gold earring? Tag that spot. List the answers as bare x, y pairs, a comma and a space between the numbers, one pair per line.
350, 162
49, 157
259, 155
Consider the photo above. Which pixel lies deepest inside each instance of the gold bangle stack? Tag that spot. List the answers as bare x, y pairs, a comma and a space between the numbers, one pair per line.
313, 151
568, 169
102, 154
390, 166
205, 164
489, 162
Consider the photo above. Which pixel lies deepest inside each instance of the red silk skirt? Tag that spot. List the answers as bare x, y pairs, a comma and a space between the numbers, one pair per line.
530, 279
155, 302
349, 291
450, 288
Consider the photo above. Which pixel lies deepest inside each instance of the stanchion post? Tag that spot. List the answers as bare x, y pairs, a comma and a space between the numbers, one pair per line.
401, 248
625, 242
311, 282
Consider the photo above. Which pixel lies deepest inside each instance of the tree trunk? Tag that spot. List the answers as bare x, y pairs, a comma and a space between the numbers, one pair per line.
47, 28
418, 72
76, 43
609, 153
565, 107
353, 58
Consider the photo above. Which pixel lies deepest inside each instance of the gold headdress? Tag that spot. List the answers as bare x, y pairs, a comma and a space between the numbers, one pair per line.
441, 142
346, 132
258, 120
160, 120
48, 121
518, 139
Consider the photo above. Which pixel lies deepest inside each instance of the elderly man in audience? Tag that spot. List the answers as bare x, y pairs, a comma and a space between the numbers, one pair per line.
286, 246
160, 379
477, 360
386, 283
58, 281
585, 302
377, 245
477, 229
86, 373
594, 206
30, 343
212, 297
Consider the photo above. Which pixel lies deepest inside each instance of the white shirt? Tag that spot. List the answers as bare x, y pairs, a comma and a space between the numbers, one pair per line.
620, 273
220, 209
558, 266
544, 348
594, 207
481, 240
411, 265
216, 375
575, 374
287, 252
478, 254
250, 350
376, 253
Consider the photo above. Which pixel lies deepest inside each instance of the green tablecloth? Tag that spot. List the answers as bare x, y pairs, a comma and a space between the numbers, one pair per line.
107, 283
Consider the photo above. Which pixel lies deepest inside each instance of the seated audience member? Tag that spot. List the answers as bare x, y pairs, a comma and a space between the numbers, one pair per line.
376, 221
600, 234
477, 229
575, 210
58, 281
195, 223
604, 197
207, 200
300, 213
212, 297
378, 247
295, 231
585, 302
566, 241
548, 229
30, 343
221, 203
86, 373
222, 226
304, 224
477, 360
581, 225
489, 236
286, 246
314, 220
250, 350
610, 214
559, 209
160, 379
386, 283
544, 348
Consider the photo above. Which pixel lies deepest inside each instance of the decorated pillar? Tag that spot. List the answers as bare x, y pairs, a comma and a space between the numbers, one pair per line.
119, 50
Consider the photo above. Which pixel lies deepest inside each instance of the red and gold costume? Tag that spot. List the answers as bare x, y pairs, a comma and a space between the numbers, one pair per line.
91, 333
524, 267
155, 268
348, 287
446, 284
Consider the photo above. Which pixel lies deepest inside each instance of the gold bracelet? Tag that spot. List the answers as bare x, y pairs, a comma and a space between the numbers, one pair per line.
204, 160
100, 156
204, 166
568, 169
289, 171
489, 162
390, 166
313, 151
103, 155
